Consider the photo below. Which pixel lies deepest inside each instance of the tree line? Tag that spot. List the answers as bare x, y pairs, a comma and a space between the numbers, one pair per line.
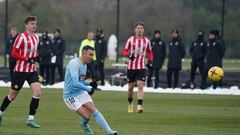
76, 17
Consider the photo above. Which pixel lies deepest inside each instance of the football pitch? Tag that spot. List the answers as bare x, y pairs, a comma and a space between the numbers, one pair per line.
164, 114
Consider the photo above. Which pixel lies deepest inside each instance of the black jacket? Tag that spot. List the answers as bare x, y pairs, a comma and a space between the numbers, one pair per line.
100, 48
58, 48
159, 52
176, 53
215, 53
198, 51
10, 44
45, 51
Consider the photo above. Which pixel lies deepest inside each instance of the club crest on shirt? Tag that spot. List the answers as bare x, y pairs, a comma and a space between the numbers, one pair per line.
82, 77
214, 43
15, 86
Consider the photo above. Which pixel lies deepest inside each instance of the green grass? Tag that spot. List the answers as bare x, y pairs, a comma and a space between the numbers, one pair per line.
164, 114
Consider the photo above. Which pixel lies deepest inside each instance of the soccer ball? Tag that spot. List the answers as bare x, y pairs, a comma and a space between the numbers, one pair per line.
215, 73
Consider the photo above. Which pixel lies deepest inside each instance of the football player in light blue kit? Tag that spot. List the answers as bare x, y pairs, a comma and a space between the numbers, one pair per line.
77, 92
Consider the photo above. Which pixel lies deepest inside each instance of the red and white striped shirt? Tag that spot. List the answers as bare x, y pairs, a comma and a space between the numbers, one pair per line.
138, 48
25, 46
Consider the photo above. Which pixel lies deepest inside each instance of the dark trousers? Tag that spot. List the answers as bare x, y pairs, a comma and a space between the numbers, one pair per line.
52, 70
12, 63
175, 72
150, 74
194, 69
90, 71
99, 71
45, 72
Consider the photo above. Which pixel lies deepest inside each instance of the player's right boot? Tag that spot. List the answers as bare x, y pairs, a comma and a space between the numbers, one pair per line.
33, 124
139, 108
130, 108
86, 128
112, 132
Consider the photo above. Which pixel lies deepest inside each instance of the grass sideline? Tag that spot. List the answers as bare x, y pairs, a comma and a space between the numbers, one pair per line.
165, 114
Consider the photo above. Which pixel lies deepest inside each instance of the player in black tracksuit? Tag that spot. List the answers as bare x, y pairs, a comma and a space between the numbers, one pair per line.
45, 56
176, 53
214, 55
198, 51
58, 48
159, 53
10, 43
101, 52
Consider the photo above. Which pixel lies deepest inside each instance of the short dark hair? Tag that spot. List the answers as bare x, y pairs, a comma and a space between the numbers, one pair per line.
139, 23
29, 19
58, 30
87, 47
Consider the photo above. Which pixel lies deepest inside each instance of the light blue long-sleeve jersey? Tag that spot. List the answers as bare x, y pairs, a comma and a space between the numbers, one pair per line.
75, 83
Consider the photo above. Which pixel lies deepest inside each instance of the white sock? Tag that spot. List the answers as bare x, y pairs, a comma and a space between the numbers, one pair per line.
1, 113
30, 117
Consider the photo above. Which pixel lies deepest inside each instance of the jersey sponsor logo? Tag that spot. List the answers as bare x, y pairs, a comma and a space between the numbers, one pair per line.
59, 41
171, 44
201, 44
195, 44
32, 49
176, 43
160, 42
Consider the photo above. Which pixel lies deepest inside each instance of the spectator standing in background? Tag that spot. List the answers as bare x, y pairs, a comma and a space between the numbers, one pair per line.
58, 48
176, 53
101, 52
159, 53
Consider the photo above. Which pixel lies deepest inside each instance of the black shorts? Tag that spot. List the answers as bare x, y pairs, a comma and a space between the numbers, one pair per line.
18, 79
133, 75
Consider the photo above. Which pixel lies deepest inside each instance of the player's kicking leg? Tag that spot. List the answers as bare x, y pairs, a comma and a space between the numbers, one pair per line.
99, 118
36, 90
130, 97
140, 96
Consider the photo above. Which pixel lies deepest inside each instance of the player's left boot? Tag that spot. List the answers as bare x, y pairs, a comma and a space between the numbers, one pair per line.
112, 132
33, 124
87, 129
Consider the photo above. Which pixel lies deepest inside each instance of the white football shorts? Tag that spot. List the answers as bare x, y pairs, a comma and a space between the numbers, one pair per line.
75, 103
